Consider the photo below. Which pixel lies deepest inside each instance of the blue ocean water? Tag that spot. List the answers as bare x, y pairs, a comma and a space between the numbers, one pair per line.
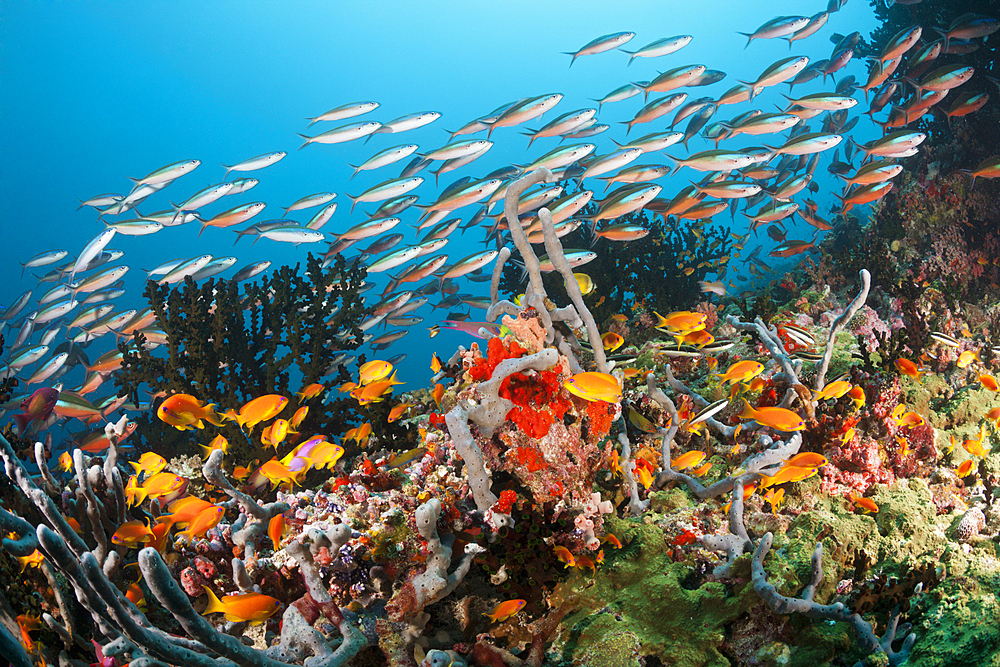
95, 92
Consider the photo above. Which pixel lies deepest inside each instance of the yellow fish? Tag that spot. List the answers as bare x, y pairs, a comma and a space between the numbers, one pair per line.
435, 364
149, 463
132, 533
205, 520
585, 283
253, 607
309, 392
65, 462
775, 498
687, 460
683, 320
777, 418
374, 370
259, 409
218, 442
595, 386
397, 412
833, 390
741, 371
612, 341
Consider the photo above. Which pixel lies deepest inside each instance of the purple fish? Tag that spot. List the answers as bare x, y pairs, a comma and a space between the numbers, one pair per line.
37, 406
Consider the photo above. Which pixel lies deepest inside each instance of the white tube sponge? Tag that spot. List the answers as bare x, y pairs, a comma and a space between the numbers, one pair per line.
558, 259
510, 205
479, 477
840, 323
434, 583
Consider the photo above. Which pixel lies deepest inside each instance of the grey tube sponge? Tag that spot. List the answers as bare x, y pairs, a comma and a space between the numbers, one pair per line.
479, 478
737, 542
781, 604
839, 323
255, 527
558, 259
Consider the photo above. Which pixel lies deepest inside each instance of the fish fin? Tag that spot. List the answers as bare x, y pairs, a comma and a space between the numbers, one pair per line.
573, 60
308, 141
214, 603
749, 37
748, 411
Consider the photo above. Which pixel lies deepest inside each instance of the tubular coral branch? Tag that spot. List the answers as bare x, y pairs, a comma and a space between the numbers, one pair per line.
510, 205
840, 323
781, 604
259, 516
737, 542
558, 259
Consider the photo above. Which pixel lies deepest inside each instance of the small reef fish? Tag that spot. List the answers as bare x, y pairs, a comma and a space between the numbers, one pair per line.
309, 392
594, 386
505, 610
866, 505
131, 533
909, 369
374, 371
36, 407
780, 419
254, 608
612, 341
688, 460
833, 390
741, 371
185, 412
149, 463
218, 442
965, 469
257, 410
275, 530
565, 556
204, 521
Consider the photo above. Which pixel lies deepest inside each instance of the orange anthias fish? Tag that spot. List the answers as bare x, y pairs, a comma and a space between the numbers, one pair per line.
297, 419
643, 473
374, 371
908, 368
277, 473
595, 386
435, 363
205, 520
965, 469
258, 410
806, 460
183, 511
253, 607
505, 610
438, 393
309, 392
865, 504
788, 474
779, 419
702, 470
132, 533
989, 382
565, 556
909, 420
612, 341
775, 498
275, 529
741, 371
857, 395
975, 446
185, 412
218, 442
681, 321
833, 390
158, 486
967, 357
397, 412
688, 460
149, 463
33, 559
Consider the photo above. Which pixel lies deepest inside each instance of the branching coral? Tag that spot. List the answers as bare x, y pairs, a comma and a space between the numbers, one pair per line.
226, 348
